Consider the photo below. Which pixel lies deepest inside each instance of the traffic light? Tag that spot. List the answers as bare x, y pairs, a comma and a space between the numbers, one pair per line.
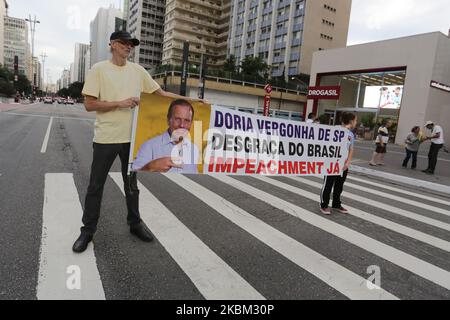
16, 64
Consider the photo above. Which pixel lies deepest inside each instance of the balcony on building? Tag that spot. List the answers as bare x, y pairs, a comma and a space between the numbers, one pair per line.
296, 42
283, 4
280, 45
281, 31
251, 40
297, 27
266, 23
249, 52
282, 18
295, 56
267, 10
278, 59
293, 71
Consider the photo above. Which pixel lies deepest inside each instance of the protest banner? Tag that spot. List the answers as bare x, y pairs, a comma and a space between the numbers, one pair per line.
218, 140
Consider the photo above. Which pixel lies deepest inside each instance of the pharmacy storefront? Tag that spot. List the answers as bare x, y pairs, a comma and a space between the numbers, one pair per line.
404, 80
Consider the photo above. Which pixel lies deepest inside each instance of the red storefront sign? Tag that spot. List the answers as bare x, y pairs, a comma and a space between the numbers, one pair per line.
325, 93
266, 105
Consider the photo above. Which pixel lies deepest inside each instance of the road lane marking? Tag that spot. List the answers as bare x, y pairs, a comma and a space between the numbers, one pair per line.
341, 279
409, 232
47, 117
381, 205
399, 199
406, 261
213, 277
414, 194
47, 136
60, 228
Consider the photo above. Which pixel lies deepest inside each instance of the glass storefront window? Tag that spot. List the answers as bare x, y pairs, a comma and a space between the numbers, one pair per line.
375, 95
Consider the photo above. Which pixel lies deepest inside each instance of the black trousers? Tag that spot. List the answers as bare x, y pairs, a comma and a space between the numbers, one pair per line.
103, 159
335, 183
433, 156
410, 154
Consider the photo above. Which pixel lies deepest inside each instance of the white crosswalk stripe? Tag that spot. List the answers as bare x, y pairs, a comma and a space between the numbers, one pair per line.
408, 262
343, 280
381, 205
63, 274
396, 198
208, 271
409, 232
398, 190
210, 274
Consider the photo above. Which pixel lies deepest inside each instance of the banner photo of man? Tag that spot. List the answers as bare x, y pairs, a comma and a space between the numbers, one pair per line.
204, 139
165, 131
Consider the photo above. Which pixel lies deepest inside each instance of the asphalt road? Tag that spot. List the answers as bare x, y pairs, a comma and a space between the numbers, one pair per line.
221, 238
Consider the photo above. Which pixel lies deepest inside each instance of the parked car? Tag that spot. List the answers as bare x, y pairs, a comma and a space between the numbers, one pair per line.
48, 100
70, 101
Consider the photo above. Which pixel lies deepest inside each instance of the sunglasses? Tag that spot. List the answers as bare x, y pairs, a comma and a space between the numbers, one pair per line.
125, 43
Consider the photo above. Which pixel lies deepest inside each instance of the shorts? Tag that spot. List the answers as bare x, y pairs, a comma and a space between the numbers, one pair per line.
381, 149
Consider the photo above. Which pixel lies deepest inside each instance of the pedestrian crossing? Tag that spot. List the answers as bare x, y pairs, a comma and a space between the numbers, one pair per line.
288, 215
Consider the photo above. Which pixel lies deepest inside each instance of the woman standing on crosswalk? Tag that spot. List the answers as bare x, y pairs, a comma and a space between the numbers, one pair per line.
336, 183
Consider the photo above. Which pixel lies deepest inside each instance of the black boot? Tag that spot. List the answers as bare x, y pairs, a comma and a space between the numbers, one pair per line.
141, 231
82, 242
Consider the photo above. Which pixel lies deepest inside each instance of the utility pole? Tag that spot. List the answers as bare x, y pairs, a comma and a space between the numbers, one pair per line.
32, 31
43, 57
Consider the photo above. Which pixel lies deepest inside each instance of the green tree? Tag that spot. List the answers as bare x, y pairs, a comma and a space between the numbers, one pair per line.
23, 84
75, 90
254, 66
6, 84
230, 64
64, 92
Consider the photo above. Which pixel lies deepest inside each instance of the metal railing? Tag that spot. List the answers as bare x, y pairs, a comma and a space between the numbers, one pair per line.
289, 88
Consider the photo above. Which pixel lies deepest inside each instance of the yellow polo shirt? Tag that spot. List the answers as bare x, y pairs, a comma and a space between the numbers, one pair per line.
109, 82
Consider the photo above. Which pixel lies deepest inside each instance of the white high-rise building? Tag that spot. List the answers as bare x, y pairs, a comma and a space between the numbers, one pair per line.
79, 63
16, 44
71, 74
145, 21
65, 79
87, 66
286, 33
106, 22
3, 13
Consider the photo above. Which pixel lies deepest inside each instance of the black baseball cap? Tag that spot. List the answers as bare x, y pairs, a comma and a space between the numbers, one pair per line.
124, 35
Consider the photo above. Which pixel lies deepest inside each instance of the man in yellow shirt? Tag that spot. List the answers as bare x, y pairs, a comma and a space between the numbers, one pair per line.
111, 90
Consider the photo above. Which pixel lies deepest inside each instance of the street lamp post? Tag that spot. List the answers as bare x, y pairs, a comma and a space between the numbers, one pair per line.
32, 30
43, 56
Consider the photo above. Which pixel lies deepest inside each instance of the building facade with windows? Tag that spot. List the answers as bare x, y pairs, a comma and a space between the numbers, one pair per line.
16, 44
79, 63
205, 24
145, 21
286, 33
105, 22
3, 13
406, 80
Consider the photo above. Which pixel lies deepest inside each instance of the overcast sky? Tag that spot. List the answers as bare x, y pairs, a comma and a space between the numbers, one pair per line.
65, 22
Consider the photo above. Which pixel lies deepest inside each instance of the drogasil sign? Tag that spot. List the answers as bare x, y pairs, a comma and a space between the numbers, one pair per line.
328, 93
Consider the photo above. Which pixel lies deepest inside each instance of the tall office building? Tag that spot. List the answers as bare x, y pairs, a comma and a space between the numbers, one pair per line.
3, 13
65, 78
16, 44
145, 20
106, 22
37, 68
79, 63
87, 65
204, 24
286, 33
126, 7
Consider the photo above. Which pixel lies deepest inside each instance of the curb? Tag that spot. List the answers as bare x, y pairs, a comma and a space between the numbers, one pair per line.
401, 179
